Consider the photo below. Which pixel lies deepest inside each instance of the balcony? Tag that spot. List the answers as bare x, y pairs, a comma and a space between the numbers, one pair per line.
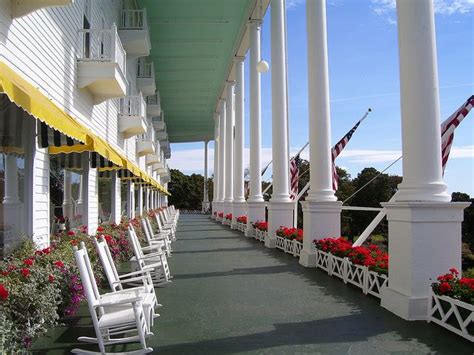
165, 148
154, 158
145, 142
135, 33
146, 77
158, 123
132, 116
153, 105
24, 7
162, 136
101, 65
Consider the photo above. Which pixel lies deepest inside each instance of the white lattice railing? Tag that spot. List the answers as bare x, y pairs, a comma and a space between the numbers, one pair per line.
102, 45
452, 314
153, 99
132, 106
241, 226
260, 235
289, 246
369, 281
145, 69
133, 20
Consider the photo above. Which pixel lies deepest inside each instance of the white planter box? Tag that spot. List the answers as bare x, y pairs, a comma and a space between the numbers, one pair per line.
289, 246
369, 281
452, 314
241, 226
260, 235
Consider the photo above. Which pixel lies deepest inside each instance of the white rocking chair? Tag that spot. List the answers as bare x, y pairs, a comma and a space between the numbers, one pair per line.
112, 315
121, 282
160, 239
155, 262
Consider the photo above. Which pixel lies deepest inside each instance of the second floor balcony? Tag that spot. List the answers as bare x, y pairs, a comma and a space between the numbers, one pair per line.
132, 116
146, 77
135, 33
153, 105
145, 143
158, 123
152, 159
101, 64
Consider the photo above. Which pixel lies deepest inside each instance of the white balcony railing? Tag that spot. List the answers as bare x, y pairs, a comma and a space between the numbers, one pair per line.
145, 69
133, 106
102, 45
133, 20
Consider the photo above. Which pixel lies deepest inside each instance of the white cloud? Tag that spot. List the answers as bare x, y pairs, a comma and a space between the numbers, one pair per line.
290, 4
386, 8
192, 160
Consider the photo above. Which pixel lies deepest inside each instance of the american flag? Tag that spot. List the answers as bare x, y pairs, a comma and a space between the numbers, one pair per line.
448, 126
294, 175
338, 148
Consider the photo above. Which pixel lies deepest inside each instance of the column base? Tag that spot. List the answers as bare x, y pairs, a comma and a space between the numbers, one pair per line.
238, 209
320, 220
279, 214
404, 306
424, 242
307, 258
255, 212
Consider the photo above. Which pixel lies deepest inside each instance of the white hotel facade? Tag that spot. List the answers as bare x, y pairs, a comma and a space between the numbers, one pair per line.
78, 105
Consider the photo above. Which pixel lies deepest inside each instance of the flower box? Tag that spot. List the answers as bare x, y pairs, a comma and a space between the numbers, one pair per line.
260, 235
370, 282
452, 314
241, 226
289, 246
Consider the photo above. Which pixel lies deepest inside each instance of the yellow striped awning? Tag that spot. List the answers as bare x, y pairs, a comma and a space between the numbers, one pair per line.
33, 101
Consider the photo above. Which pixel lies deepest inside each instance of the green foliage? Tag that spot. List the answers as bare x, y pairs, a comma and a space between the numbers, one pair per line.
187, 191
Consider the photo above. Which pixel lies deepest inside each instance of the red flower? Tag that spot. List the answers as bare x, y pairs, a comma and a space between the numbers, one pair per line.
444, 287
71, 233
73, 242
46, 250
454, 271
59, 264
51, 278
100, 229
4, 273
28, 262
3, 292
25, 272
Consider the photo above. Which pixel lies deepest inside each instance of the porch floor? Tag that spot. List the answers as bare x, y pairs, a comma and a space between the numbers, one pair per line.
230, 294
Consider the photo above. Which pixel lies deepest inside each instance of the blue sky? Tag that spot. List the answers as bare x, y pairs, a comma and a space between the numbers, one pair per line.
364, 72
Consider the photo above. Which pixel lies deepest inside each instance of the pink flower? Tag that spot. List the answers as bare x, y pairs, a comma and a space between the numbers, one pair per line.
51, 278
71, 233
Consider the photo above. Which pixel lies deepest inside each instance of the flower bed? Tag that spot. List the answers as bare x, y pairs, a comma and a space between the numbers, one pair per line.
289, 240
38, 287
220, 216
228, 219
261, 230
364, 267
452, 304
241, 223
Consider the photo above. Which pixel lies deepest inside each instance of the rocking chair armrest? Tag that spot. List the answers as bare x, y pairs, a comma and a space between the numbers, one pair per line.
151, 247
131, 300
151, 256
159, 237
151, 267
136, 278
134, 273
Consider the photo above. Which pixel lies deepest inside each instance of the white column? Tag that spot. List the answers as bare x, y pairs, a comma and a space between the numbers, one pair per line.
90, 189
215, 182
229, 148
80, 202
238, 203
255, 202
67, 196
130, 199
140, 200
222, 146
11, 181
165, 197
321, 210
115, 197
280, 208
424, 228
205, 200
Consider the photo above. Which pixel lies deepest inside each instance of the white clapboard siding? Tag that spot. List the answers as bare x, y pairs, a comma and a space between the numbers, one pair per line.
41, 212
43, 47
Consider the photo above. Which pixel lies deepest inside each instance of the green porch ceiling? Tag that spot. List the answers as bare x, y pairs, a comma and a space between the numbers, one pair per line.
193, 45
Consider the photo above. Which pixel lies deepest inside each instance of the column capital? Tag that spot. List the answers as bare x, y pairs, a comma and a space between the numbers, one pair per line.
255, 22
239, 59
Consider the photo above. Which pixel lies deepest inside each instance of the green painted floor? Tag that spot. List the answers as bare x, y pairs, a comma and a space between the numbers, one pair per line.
230, 295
